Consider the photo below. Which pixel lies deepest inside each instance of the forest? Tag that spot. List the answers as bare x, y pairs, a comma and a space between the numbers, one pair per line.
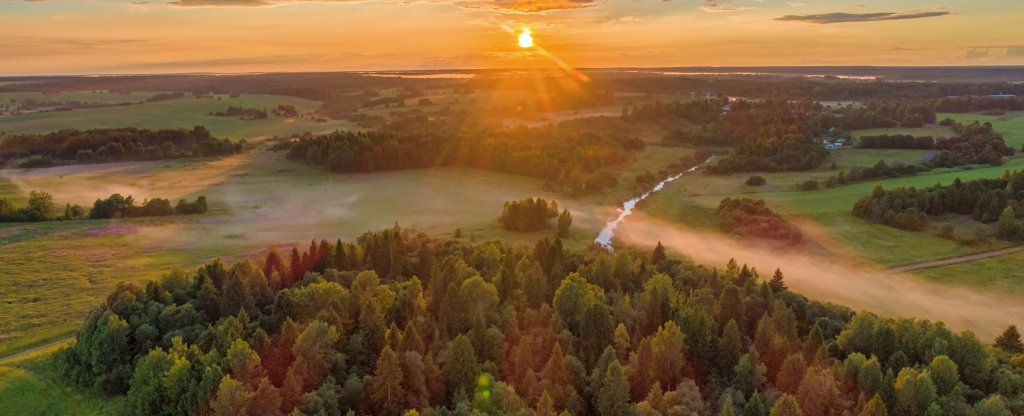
984, 200
566, 158
534, 214
745, 217
396, 321
114, 145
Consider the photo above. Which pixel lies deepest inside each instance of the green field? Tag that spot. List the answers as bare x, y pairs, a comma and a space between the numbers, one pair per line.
177, 113
848, 158
30, 386
936, 131
1011, 125
1003, 274
830, 208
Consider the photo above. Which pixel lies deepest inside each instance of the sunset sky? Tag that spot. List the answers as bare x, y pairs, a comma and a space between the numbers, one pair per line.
115, 36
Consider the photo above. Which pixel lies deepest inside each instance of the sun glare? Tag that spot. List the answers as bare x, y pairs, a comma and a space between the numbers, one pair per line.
526, 38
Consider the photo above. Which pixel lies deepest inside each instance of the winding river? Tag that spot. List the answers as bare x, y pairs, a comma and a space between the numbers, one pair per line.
608, 232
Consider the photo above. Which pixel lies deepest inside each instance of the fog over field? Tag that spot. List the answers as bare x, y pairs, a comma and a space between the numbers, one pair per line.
840, 280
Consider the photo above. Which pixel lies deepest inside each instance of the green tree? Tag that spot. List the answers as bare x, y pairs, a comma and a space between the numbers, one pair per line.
385, 387
613, 399
658, 255
791, 373
41, 202
462, 368
786, 405
233, 398
564, 222
1009, 341
915, 392
992, 406
778, 282
874, 407
944, 374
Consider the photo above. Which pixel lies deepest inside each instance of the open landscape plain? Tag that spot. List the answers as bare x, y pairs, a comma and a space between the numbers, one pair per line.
545, 214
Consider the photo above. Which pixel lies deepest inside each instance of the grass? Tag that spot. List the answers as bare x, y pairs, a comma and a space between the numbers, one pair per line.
1011, 125
848, 158
935, 131
177, 113
30, 386
691, 199
1002, 274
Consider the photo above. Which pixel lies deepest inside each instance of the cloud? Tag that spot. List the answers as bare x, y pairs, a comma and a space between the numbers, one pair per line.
840, 17
502, 6
720, 6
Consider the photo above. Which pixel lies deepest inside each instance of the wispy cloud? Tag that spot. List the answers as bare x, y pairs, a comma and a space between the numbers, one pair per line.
721, 6
502, 6
840, 17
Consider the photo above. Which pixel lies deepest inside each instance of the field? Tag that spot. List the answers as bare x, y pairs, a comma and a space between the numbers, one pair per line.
183, 112
830, 208
934, 131
1011, 125
29, 385
1003, 274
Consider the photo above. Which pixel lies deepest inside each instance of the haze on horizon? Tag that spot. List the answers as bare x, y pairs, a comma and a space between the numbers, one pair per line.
167, 36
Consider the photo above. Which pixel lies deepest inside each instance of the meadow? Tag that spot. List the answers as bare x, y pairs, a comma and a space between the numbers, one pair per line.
184, 112
30, 386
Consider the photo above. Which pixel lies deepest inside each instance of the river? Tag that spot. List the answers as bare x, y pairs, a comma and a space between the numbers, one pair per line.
608, 232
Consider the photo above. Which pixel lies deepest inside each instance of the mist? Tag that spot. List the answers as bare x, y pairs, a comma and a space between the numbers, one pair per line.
839, 280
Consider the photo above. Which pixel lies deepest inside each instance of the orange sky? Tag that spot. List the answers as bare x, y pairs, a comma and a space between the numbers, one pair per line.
115, 36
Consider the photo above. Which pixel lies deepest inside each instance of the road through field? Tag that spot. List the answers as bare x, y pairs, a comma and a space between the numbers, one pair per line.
956, 260
35, 348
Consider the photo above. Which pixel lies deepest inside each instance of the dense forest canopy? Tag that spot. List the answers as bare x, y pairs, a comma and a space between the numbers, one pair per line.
397, 321
563, 156
114, 145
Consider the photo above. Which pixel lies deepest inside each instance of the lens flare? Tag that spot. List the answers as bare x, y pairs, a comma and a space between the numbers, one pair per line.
526, 38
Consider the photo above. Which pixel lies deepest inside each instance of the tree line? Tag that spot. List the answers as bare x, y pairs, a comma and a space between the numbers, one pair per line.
118, 206
567, 159
397, 323
40, 207
985, 200
745, 217
114, 145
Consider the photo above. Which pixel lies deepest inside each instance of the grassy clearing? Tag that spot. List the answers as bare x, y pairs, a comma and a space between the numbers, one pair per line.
934, 131
183, 112
848, 158
1003, 274
30, 386
1011, 125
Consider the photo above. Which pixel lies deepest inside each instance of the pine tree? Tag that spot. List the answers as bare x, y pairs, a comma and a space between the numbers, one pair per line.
386, 393
613, 399
1009, 340
564, 222
874, 407
777, 283
786, 406
296, 270
658, 255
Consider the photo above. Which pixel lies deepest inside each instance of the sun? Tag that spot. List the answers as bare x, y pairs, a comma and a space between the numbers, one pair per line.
526, 38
